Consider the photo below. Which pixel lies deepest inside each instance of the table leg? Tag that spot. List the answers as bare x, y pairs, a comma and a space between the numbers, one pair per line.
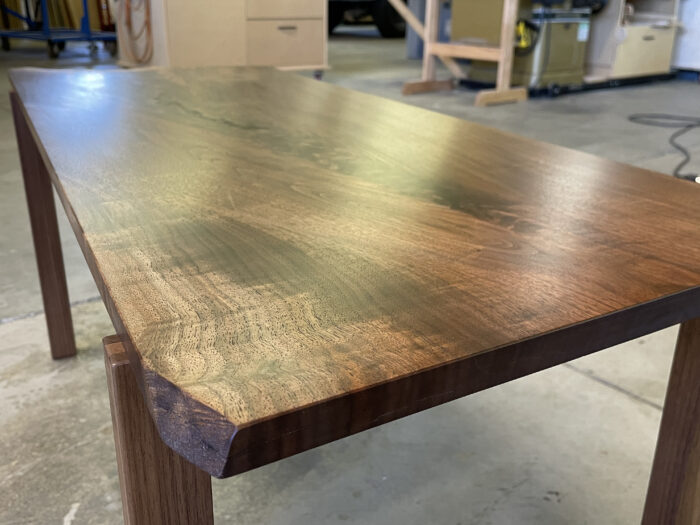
157, 485
47, 243
674, 490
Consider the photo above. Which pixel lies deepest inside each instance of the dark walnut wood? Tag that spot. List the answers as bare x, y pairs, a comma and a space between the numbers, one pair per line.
157, 485
288, 262
47, 243
674, 489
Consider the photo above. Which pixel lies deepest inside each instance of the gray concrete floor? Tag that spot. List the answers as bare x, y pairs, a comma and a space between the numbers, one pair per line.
570, 445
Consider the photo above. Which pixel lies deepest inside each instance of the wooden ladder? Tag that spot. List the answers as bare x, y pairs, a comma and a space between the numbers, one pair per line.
447, 52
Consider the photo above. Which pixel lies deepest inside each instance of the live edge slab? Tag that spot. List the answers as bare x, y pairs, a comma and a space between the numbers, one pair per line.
287, 262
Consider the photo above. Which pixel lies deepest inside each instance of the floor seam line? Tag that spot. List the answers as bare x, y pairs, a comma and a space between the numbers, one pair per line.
36, 313
613, 386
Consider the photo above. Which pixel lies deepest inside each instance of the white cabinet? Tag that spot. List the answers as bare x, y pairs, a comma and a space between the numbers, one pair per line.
284, 33
632, 38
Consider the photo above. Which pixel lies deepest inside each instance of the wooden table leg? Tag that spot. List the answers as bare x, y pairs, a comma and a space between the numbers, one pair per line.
47, 243
157, 485
428, 81
504, 93
674, 490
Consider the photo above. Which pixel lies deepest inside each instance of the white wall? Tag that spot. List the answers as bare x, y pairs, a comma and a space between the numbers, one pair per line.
687, 51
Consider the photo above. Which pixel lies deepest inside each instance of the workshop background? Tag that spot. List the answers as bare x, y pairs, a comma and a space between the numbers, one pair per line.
571, 445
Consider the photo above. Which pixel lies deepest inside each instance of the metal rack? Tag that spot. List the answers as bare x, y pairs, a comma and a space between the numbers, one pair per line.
55, 38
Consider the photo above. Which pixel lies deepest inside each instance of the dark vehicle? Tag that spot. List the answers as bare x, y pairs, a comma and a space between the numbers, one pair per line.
385, 17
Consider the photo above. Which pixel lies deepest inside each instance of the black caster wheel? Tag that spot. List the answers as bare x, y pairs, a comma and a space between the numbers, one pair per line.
61, 45
554, 90
318, 74
52, 48
111, 47
93, 50
5, 43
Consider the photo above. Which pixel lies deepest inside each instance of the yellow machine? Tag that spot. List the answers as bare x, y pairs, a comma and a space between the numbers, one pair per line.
550, 41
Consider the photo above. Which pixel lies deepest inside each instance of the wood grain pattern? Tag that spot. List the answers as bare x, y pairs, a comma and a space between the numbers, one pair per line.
288, 262
47, 242
674, 489
157, 485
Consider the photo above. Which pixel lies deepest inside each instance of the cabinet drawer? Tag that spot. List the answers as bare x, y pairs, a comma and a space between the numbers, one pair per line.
645, 51
285, 9
285, 42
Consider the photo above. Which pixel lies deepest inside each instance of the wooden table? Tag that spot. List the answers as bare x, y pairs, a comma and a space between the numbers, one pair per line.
287, 263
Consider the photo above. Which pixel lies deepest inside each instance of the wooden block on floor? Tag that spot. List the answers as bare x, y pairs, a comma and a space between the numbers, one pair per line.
489, 97
426, 86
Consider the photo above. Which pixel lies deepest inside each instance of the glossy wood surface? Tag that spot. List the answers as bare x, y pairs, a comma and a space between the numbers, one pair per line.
289, 262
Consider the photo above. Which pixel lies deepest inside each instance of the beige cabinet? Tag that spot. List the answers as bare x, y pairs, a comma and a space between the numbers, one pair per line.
632, 38
287, 43
271, 9
645, 50
284, 33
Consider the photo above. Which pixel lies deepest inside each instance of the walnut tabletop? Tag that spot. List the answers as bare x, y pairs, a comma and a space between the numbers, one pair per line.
288, 262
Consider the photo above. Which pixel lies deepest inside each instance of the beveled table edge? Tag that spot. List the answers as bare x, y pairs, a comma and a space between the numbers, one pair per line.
213, 443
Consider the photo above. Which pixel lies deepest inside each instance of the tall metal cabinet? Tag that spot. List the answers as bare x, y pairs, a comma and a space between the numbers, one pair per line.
632, 38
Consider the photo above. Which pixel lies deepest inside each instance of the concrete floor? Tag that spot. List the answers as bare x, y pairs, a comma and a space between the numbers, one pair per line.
571, 445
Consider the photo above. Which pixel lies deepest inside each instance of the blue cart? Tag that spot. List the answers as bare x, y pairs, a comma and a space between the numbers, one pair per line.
55, 38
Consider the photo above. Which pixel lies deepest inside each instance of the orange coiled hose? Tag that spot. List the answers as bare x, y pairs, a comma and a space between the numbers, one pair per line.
139, 40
